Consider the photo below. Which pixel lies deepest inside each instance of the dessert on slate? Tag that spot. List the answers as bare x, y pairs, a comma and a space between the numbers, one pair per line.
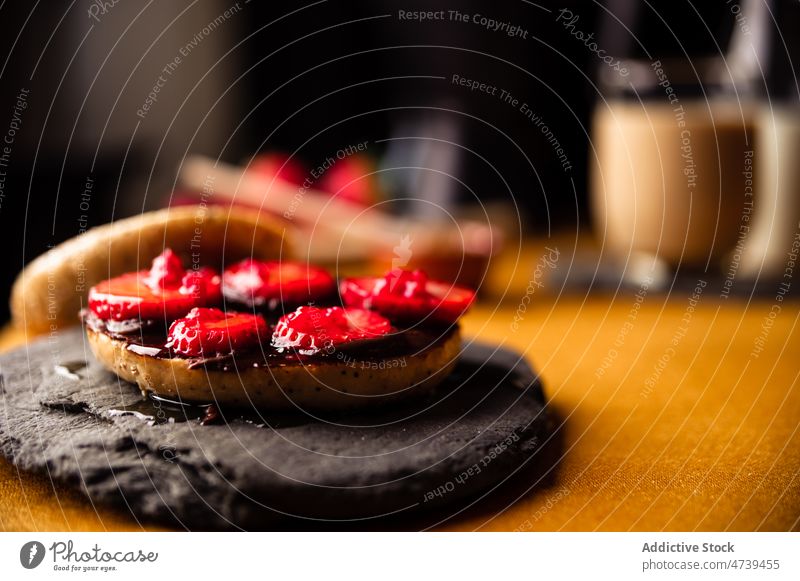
269, 333
275, 334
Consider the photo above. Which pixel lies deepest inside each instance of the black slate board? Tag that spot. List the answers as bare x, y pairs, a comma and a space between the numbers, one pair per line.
60, 411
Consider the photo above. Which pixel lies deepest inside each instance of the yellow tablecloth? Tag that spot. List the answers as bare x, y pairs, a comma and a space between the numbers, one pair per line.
685, 419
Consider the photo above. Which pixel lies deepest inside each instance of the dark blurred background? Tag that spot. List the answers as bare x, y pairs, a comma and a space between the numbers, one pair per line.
308, 80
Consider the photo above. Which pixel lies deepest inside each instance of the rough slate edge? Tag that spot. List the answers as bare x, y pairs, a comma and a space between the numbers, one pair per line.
127, 444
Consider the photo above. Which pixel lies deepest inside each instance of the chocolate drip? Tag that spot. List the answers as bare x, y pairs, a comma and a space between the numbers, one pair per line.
147, 338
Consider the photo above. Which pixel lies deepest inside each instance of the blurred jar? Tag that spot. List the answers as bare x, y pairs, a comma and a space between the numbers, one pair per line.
771, 59
671, 167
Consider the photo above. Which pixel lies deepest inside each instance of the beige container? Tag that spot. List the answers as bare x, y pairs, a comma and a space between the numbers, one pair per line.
772, 241
668, 183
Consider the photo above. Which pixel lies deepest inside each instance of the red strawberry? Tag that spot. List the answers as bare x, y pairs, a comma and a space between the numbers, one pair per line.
310, 330
211, 331
255, 283
353, 179
274, 165
166, 291
204, 284
407, 296
165, 272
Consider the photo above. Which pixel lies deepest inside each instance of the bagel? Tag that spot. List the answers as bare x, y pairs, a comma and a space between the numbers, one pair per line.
51, 290
319, 384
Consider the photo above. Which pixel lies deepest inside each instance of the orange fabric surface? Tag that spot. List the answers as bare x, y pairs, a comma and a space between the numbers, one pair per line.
705, 440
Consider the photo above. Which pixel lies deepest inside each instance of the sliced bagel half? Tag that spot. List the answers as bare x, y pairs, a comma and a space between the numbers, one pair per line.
317, 384
50, 291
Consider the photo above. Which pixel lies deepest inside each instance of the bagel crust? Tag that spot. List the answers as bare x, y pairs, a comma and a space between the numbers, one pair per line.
319, 384
50, 291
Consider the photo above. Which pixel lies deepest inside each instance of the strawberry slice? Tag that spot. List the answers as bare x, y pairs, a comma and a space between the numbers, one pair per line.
276, 165
256, 283
354, 179
407, 296
166, 291
310, 330
165, 272
204, 284
211, 331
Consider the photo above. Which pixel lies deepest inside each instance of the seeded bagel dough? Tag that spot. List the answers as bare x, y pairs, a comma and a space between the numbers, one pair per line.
319, 384
51, 290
